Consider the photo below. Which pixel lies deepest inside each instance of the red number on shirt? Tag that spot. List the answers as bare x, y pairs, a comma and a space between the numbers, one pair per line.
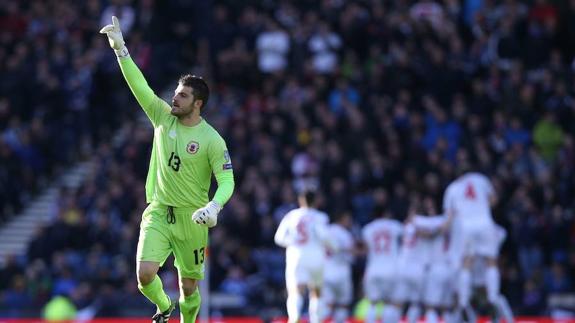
302, 235
470, 192
381, 241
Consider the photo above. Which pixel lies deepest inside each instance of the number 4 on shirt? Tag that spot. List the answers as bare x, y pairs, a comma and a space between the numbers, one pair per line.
470, 192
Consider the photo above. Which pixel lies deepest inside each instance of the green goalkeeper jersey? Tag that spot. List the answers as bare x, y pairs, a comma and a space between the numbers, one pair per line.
183, 158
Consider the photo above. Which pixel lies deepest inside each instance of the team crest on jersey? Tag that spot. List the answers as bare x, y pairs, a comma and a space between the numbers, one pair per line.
192, 147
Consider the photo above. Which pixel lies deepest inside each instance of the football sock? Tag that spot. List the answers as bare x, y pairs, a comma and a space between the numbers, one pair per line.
431, 316
504, 309
452, 316
391, 314
315, 309
340, 315
471, 315
413, 313
492, 284
294, 305
189, 307
464, 287
154, 291
370, 314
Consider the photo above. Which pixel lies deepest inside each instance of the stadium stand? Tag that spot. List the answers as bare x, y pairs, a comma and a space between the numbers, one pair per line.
373, 101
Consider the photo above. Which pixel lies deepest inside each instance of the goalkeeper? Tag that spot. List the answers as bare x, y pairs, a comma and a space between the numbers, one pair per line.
186, 151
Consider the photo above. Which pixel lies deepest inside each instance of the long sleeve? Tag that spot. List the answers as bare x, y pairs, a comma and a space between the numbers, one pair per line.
222, 169
225, 188
154, 107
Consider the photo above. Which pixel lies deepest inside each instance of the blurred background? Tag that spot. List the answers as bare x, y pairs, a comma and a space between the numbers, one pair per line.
375, 102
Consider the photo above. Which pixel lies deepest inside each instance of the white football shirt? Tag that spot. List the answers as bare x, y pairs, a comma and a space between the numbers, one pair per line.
339, 259
381, 237
303, 232
469, 197
438, 249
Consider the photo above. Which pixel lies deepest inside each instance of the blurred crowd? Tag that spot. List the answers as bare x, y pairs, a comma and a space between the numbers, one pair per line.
376, 103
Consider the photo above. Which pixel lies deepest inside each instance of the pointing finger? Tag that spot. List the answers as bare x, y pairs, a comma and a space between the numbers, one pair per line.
115, 22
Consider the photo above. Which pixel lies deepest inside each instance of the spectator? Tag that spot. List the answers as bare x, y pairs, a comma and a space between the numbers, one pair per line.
373, 102
548, 136
556, 279
324, 45
533, 299
273, 45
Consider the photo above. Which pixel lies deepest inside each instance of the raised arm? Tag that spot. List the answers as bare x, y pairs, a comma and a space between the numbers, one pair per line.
154, 107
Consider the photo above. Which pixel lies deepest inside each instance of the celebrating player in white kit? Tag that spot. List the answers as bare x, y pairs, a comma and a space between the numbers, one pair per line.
303, 232
438, 291
413, 260
337, 289
381, 236
502, 308
470, 198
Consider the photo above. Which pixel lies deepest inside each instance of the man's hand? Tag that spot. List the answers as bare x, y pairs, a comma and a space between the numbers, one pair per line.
115, 37
208, 215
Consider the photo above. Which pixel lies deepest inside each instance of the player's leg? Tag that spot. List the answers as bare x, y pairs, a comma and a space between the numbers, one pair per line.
189, 241
340, 313
316, 306
413, 313
416, 287
435, 291
488, 247
391, 312
504, 310
431, 315
296, 281
470, 314
151, 285
329, 296
344, 298
373, 292
190, 300
463, 241
408, 290
394, 295
464, 287
451, 315
294, 302
450, 311
152, 251
492, 281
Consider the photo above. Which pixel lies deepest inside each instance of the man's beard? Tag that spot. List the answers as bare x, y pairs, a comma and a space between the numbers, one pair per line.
181, 112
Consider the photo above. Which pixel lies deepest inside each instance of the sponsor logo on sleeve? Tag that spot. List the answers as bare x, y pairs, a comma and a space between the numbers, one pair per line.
228, 161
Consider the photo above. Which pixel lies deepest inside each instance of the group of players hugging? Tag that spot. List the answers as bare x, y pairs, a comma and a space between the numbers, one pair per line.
429, 265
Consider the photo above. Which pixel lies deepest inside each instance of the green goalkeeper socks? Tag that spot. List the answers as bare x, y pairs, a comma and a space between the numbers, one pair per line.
189, 307
155, 293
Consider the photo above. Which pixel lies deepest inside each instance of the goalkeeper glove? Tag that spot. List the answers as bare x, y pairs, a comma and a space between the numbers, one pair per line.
115, 37
208, 215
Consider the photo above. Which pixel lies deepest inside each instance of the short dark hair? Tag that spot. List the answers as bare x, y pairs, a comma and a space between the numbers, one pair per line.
340, 215
200, 88
309, 196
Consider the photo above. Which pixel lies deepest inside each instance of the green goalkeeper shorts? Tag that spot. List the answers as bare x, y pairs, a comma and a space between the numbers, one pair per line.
165, 230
